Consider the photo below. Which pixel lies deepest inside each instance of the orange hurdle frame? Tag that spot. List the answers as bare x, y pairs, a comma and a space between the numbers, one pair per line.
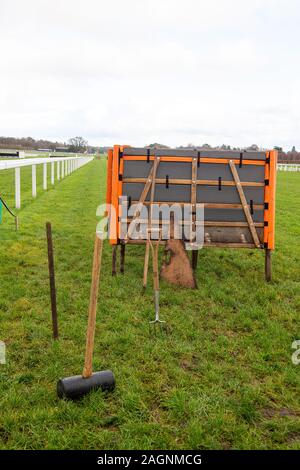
115, 180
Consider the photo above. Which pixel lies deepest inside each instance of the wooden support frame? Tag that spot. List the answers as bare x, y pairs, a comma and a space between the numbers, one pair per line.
194, 182
206, 205
206, 245
206, 223
147, 249
189, 159
141, 200
244, 203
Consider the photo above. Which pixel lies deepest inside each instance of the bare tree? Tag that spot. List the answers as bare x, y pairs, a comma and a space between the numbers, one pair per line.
77, 144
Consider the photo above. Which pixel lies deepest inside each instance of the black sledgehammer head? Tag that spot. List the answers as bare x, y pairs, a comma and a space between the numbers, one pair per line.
76, 387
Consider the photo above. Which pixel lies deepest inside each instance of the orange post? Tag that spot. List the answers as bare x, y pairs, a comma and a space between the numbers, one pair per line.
114, 196
267, 200
109, 178
272, 191
120, 187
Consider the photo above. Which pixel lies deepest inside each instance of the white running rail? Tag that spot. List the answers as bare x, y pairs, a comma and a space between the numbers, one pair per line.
64, 167
288, 166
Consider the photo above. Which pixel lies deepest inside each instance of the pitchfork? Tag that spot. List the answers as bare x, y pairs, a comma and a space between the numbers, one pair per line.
154, 251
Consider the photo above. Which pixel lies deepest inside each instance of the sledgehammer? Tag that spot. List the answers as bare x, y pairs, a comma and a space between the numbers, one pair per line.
79, 385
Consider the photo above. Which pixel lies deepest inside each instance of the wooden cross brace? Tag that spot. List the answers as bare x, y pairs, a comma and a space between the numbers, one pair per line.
150, 183
244, 203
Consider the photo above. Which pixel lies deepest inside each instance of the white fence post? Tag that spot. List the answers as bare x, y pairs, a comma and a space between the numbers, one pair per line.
57, 170
45, 176
52, 173
288, 167
65, 167
18, 187
33, 180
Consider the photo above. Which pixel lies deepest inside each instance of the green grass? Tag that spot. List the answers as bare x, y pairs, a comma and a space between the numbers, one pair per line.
222, 378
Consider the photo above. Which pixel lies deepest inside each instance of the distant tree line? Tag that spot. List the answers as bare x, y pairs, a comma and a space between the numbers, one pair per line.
288, 157
28, 143
292, 156
75, 144
156, 145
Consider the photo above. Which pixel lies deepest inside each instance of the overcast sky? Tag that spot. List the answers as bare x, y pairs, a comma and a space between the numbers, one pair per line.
142, 71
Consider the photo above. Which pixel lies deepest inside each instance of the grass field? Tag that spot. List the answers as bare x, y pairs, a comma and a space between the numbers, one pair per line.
222, 379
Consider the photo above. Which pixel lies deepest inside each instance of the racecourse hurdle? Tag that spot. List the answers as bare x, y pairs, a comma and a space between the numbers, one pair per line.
64, 167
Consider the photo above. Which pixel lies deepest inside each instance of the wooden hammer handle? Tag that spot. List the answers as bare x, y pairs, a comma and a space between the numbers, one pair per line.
155, 266
154, 250
90, 333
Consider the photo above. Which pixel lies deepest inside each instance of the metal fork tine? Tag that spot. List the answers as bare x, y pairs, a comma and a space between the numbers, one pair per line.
157, 324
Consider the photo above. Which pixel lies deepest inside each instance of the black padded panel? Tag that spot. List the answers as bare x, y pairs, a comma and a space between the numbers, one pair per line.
205, 193
182, 193
180, 170
131, 151
141, 169
212, 171
136, 169
229, 194
232, 215
176, 170
175, 193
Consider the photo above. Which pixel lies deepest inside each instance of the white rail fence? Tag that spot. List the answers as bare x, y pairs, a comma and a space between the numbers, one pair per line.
64, 167
288, 166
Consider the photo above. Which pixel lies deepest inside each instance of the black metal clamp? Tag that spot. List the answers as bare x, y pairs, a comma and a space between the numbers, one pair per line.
251, 207
241, 159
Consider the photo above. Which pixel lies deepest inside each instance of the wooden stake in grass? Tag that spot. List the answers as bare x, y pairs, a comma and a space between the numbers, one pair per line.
114, 260
122, 258
52, 280
90, 334
268, 265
